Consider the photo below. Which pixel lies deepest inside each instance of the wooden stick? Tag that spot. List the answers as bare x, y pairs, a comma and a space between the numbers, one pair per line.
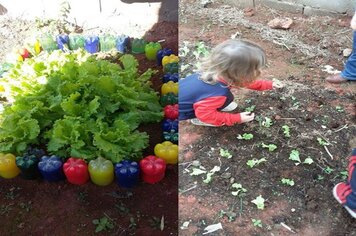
287, 227
343, 127
327, 150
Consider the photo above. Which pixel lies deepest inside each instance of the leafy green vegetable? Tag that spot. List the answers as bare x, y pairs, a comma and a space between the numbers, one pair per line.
78, 105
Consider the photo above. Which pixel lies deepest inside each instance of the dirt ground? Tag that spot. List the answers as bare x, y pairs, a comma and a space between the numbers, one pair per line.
321, 120
41, 208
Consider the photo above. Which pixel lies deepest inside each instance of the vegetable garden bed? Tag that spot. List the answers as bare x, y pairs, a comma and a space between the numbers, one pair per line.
65, 208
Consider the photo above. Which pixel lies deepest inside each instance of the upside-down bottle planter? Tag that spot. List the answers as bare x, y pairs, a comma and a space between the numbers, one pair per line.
107, 43
167, 151
76, 41
101, 171
122, 43
171, 112
51, 169
152, 169
62, 41
151, 50
162, 53
170, 77
127, 173
169, 59
138, 46
171, 136
168, 99
171, 68
76, 171
169, 87
8, 168
28, 164
91, 44
48, 43
168, 125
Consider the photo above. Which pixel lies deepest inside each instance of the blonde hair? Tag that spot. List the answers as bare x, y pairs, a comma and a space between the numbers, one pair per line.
236, 61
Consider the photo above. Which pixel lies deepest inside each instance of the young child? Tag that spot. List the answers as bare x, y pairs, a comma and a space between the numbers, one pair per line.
205, 97
345, 193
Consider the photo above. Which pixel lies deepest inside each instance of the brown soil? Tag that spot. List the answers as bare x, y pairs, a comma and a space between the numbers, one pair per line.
41, 208
309, 106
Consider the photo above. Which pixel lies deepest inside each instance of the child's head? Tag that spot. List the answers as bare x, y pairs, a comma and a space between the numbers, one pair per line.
237, 61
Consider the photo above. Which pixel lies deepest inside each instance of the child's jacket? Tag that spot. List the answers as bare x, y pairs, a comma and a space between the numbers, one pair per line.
204, 101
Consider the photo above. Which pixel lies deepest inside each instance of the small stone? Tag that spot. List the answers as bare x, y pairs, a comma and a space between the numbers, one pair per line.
280, 23
226, 175
249, 12
277, 117
347, 52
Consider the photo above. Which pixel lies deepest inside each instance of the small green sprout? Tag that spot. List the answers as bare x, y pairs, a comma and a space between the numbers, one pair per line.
308, 160
322, 142
254, 162
294, 156
239, 190
267, 122
259, 202
328, 170
197, 171
210, 174
344, 174
286, 181
245, 136
103, 223
286, 131
271, 147
339, 109
225, 153
250, 108
257, 223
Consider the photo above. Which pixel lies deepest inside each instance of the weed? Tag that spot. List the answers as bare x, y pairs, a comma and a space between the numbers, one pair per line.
254, 162
133, 224
123, 210
257, 223
5, 209
225, 153
245, 136
27, 206
104, 223
286, 181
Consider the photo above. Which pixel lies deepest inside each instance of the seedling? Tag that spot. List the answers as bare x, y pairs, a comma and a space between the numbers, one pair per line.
254, 162
259, 202
344, 175
230, 215
339, 109
184, 50
239, 190
123, 210
294, 156
201, 49
295, 102
271, 147
27, 206
250, 108
322, 142
210, 174
133, 224
225, 153
328, 170
267, 122
104, 223
197, 171
286, 131
245, 136
257, 223
289, 182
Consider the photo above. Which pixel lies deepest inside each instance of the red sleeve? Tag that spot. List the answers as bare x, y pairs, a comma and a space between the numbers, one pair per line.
261, 85
206, 111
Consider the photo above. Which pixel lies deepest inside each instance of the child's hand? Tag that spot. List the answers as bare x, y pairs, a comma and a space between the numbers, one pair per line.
247, 117
277, 84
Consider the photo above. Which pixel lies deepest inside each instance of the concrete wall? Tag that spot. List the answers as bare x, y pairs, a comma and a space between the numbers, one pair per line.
307, 7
